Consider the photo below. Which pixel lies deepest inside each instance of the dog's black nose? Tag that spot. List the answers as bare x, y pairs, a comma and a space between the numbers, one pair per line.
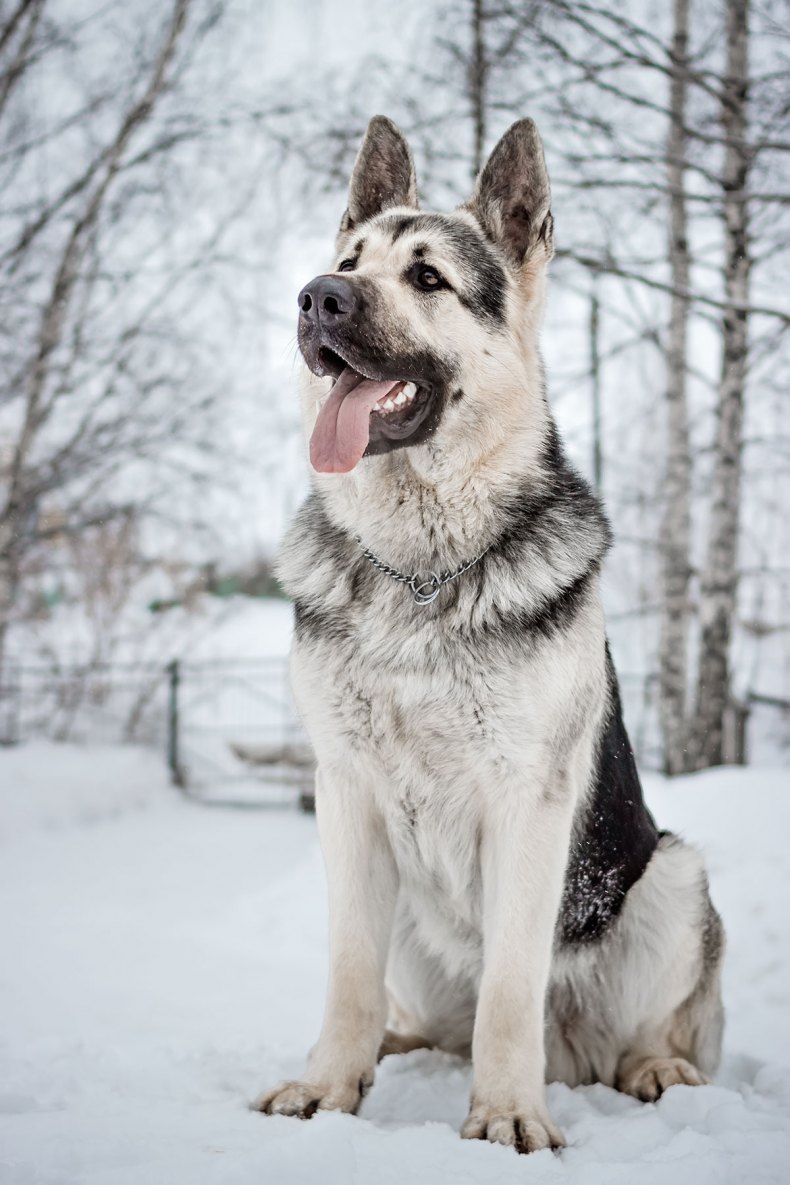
327, 298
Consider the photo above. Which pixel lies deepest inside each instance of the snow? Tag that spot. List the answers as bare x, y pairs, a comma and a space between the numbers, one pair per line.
164, 961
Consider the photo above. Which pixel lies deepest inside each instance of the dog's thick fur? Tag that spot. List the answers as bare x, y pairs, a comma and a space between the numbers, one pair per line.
489, 855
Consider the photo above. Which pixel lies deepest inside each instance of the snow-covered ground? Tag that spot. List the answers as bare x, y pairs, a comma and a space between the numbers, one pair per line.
163, 961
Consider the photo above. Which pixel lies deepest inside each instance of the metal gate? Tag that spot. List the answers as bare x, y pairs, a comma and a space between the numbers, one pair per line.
234, 734
229, 727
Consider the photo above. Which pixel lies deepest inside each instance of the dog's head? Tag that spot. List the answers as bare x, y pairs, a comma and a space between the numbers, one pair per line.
426, 323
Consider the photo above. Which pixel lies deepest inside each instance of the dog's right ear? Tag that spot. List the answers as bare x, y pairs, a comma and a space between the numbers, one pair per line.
383, 174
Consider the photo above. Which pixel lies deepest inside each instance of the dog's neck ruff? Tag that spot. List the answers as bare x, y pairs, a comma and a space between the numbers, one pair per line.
424, 589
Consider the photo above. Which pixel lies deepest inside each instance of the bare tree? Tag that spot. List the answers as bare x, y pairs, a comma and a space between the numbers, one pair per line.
676, 521
39, 384
720, 573
114, 284
617, 52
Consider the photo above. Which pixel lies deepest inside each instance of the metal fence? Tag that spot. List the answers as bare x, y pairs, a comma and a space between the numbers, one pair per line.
232, 728
99, 703
230, 732
228, 728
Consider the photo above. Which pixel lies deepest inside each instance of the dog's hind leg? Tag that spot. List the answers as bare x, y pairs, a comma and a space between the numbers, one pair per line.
427, 1002
686, 1048
401, 1043
641, 1008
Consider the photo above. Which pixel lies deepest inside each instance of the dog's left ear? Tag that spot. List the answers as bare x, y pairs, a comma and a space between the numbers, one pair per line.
512, 198
383, 174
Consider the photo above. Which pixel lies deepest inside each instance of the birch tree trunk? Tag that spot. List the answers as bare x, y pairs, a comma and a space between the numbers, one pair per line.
720, 574
478, 72
676, 521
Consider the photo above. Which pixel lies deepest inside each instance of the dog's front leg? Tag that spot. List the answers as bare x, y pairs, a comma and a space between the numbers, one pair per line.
362, 883
523, 855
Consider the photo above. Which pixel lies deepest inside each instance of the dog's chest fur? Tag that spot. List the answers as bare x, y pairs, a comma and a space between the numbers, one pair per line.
426, 727
487, 704
439, 721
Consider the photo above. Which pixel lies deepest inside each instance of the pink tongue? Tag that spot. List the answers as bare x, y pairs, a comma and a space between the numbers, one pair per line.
342, 430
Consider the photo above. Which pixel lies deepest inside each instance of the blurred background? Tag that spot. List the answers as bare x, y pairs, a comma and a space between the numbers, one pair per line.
171, 173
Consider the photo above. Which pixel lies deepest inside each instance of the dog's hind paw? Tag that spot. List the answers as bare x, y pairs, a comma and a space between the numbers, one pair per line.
524, 1131
303, 1099
650, 1077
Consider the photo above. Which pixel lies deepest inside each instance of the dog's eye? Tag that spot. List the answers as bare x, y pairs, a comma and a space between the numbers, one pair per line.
426, 278
347, 265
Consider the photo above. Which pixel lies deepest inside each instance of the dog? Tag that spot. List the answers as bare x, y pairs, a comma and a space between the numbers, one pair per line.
497, 886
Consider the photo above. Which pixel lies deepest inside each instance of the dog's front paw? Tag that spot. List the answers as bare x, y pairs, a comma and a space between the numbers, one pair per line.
526, 1129
303, 1099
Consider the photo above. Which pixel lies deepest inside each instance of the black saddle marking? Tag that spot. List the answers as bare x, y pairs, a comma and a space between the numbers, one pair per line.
614, 839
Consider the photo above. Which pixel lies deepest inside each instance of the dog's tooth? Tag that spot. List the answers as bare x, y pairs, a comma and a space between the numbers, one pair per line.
377, 407
389, 405
400, 399
410, 390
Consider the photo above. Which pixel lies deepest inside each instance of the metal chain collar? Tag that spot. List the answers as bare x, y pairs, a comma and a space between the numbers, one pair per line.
424, 590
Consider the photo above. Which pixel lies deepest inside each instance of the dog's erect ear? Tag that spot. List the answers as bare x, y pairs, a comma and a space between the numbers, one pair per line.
512, 198
383, 174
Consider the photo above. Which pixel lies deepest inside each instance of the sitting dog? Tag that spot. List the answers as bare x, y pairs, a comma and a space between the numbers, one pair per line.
497, 885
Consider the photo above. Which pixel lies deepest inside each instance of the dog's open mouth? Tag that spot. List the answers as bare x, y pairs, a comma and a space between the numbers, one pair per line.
358, 410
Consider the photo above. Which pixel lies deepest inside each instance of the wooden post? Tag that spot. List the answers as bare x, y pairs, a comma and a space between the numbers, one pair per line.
173, 756
736, 720
10, 696
595, 377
